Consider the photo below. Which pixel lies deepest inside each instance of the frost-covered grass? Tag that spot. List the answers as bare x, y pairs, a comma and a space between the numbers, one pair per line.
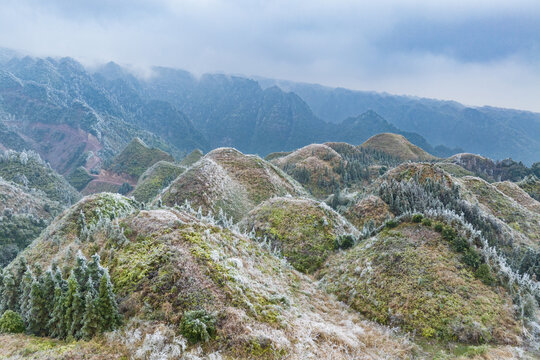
167, 262
304, 231
409, 277
228, 180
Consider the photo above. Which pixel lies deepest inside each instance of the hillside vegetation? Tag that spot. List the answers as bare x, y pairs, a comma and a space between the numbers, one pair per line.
397, 146
156, 178
227, 181
136, 158
232, 258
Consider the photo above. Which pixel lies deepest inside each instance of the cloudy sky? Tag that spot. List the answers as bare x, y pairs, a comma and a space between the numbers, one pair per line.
477, 52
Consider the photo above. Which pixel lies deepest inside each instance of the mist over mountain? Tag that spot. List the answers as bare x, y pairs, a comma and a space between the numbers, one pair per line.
493, 132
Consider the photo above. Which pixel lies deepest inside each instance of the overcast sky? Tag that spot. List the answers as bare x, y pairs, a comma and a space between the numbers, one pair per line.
476, 52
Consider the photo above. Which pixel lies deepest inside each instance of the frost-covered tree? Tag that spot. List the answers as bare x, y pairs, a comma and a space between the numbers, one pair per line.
91, 319
94, 271
77, 312
39, 312
106, 304
24, 294
57, 325
10, 293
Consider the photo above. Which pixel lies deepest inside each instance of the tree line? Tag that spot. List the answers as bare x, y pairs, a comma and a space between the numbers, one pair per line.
47, 304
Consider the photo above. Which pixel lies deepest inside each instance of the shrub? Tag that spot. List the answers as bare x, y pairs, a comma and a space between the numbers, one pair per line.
472, 258
198, 325
390, 224
448, 233
483, 274
11, 322
438, 227
426, 222
125, 188
344, 242
459, 244
417, 218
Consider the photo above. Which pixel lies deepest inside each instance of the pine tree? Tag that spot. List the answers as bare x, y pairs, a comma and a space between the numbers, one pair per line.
10, 293
24, 298
95, 271
57, 326
49, 284
77, 312
59, 280
80, 271
1, 289
106, 304
91, 320
38, 316
69, 300
20, 269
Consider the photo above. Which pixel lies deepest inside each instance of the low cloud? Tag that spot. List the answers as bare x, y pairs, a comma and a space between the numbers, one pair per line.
478, 52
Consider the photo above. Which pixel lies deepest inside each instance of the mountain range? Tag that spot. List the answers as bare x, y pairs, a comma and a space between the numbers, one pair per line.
92, 113
222, 217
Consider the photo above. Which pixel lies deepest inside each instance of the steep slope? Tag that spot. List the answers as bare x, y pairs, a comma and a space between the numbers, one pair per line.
315, 166
235, 111
24, 213
59, 110
29, 170
167, 263
370, 211
192, 158
490, 170
531, 184
136, 157
358, 129
502, 231
519, 195
397, 146
303, 230
156, 178
509, 208
324, 168
229, 181
122, 174
409, 277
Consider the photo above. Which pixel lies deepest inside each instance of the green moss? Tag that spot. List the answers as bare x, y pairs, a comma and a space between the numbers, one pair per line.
262, 348
135, 262
303, 232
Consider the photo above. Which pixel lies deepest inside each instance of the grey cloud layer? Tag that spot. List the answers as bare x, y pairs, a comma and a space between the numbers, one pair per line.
480, 53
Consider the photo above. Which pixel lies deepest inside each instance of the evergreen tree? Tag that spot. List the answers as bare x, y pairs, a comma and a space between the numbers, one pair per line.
10, 293
59, 280
69, 300
91, 320
39, 314
77, 312
57, 326
1, 289
24, 298
106, 304
80, 271
20, 269
49, 284
94, 271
